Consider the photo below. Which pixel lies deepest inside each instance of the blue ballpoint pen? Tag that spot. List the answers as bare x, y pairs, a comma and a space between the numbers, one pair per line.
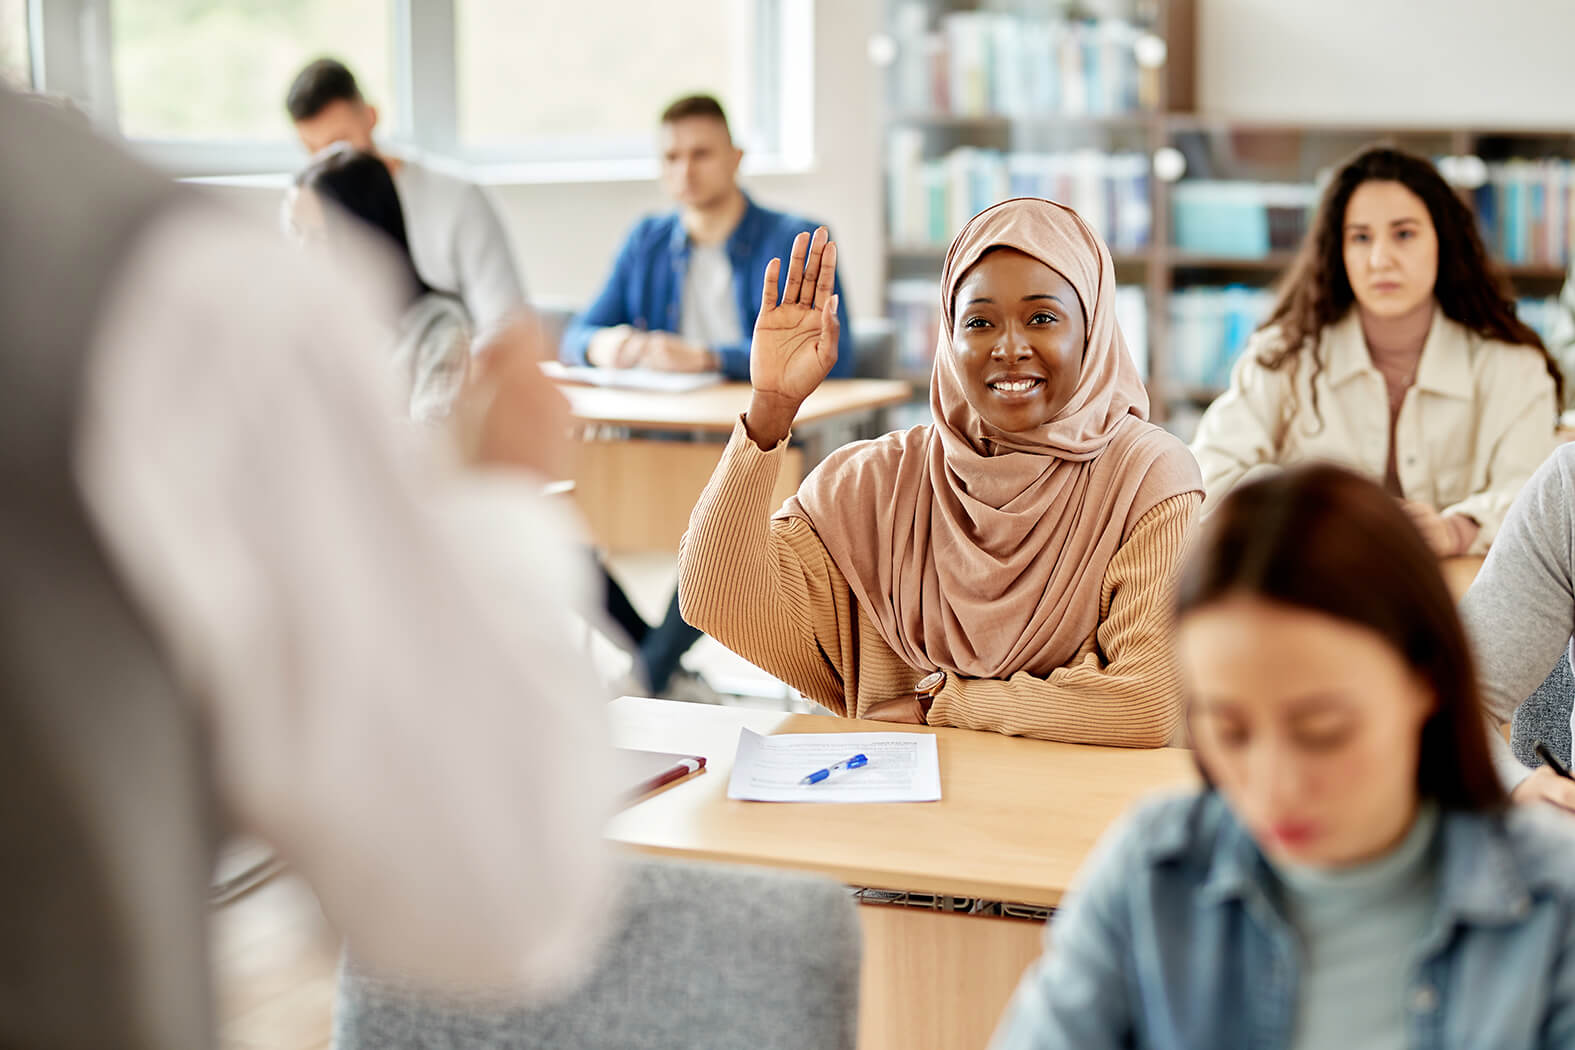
836, 767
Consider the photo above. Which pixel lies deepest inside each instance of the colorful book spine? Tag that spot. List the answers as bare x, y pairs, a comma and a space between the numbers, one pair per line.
1208, 329
992, 63
1525, 211
930, 199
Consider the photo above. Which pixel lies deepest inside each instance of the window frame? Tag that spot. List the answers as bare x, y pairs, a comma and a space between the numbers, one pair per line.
73, 55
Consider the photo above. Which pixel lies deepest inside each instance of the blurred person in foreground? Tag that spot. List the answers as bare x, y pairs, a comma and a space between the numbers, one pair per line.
237, 593
347, 205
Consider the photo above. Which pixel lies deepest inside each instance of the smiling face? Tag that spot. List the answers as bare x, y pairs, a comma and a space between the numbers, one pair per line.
1310, 727
1390, 249
1018, 338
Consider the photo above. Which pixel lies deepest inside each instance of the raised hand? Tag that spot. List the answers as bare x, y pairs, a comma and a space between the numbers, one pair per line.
795, 343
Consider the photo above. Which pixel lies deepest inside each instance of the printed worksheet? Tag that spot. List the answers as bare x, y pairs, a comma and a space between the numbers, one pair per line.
898, 767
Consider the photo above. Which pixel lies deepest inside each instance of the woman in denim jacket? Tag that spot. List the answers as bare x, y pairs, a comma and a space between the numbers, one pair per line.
1351, 876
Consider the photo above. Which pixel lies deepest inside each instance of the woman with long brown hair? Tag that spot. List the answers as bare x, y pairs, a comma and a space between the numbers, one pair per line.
1394, 350
1349, 874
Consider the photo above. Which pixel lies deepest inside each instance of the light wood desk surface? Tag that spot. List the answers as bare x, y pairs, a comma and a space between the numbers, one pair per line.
1016, 819
715, 409
1459, 572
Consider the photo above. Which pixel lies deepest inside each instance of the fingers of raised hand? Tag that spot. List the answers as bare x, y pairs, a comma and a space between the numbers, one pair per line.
768, 293
795, 274
826, 279
830, 331
812, 265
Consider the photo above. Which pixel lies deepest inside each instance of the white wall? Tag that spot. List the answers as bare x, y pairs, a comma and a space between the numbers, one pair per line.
1504, 63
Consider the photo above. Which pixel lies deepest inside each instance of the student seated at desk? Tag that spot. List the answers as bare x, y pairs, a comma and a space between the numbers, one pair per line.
431, 343
685, 287
1008, 568
1350, 876
682, 297
1394, 350
456, 241
1520, 613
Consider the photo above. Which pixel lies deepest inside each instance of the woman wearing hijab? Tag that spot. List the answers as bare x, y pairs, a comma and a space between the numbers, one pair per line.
1010, 567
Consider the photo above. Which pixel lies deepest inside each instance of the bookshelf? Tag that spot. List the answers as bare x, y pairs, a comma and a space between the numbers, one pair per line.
1095, 101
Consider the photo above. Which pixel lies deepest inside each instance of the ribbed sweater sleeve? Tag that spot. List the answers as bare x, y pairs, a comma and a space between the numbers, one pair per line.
1125, 689
764, 587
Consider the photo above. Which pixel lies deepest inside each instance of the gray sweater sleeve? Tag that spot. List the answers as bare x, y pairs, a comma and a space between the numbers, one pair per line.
1520, 611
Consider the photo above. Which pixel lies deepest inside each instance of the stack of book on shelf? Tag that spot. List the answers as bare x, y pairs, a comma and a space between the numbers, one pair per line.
916, 316
991, 63
1240, 219
931, 199
1208, 328
1542, 314
1525, 211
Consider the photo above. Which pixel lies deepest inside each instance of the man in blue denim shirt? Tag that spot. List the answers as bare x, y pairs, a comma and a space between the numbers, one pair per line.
683, 296
685, 287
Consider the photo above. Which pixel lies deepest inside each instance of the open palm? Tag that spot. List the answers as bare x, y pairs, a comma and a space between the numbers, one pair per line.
795, 343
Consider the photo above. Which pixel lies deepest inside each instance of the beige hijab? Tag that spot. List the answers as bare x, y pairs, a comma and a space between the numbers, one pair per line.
979, 551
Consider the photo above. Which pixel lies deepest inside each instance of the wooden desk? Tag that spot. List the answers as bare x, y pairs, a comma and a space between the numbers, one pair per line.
636, 490
715, 409
1460, 572
1016, 821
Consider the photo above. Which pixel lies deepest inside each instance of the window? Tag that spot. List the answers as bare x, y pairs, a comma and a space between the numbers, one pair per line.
219, 69
625, 60
199, 85
16, 65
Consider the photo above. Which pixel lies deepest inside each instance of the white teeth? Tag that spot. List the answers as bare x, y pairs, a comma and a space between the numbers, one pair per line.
1015, 386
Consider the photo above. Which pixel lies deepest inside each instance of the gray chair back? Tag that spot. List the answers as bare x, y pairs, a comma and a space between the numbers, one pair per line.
701, 958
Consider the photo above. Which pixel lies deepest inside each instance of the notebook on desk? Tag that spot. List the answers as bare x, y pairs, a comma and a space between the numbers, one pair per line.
642, 772
632, 378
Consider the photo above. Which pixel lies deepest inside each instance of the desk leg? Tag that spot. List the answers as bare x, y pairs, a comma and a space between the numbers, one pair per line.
936, 979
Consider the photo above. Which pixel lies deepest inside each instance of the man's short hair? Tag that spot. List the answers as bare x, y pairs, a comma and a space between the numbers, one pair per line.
318, 86
695, 106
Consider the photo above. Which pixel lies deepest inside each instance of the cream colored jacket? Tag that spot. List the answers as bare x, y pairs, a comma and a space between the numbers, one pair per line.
1473, 427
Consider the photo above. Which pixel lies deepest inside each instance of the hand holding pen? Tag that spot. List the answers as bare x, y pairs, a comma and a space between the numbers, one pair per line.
1550, 782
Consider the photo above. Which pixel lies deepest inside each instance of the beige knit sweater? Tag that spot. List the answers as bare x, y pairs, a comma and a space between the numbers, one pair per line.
767, 589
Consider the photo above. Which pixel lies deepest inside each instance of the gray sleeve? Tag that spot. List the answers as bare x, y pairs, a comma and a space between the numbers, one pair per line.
1520, 611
